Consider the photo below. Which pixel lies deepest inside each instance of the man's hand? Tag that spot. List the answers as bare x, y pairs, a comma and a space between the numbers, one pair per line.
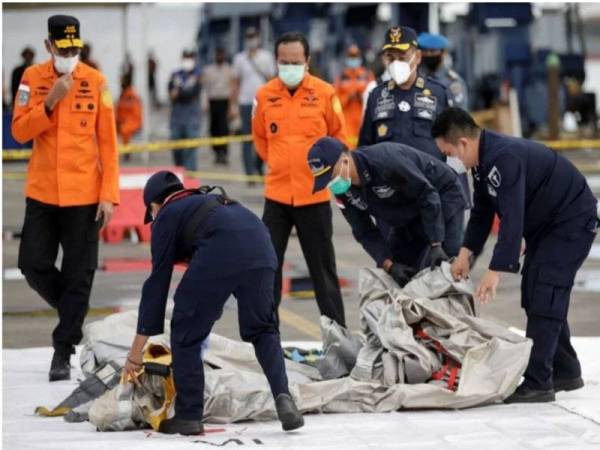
132, 365
434, 256
401, 273
486, 290
135, 358
461, 266
105, 211
234, 112
59, 90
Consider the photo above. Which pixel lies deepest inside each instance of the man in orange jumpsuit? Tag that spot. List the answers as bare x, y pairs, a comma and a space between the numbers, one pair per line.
349, 87
72, 180
129, 112
290, 113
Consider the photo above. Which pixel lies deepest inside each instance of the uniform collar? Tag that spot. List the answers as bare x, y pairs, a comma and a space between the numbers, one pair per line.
306, 83
482, 154
361, 168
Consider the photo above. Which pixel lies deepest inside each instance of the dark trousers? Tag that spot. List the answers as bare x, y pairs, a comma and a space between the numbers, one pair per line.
315, 231
68, 289
219, 126
198, 305
551, 263
252, 162
408, 244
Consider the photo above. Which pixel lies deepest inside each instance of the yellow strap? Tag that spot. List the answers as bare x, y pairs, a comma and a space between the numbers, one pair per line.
56, 412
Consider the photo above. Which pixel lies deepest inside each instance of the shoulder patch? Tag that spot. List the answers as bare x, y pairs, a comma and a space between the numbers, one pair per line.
336, 104
106, 98
495, 177
420, 83
23, 94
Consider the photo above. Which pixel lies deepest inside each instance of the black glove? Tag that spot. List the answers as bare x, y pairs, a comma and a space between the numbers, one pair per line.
435, 256
401, 273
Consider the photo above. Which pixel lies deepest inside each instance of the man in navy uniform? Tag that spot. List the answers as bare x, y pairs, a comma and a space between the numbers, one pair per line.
434, 48
229, 252
417, 195
541, 196
403, 109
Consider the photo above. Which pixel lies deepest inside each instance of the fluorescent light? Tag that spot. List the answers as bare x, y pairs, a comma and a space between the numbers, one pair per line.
501, 22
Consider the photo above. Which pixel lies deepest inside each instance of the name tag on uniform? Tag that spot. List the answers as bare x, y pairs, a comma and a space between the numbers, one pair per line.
427, 102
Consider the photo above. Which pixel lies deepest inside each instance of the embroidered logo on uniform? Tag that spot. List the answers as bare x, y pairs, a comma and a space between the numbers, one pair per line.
492, 191
384, 93
382, 130
83, 123
273, 127
273, 99
84, 83
420, 83
404, 106
356, 201
495, 177
395, 35
383, 191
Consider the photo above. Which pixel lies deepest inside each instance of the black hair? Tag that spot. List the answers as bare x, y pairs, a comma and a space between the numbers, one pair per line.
452, 123
293, 36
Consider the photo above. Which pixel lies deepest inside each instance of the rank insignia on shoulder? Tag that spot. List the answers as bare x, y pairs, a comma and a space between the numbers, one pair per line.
420, 83
382, 130
426, 92
391, 85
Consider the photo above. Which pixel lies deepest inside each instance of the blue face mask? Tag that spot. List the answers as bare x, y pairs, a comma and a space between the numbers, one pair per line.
340, 185
291, 74
353, 63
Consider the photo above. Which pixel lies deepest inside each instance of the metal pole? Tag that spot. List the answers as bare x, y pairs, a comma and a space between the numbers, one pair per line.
434, 18
553, 65
143, 71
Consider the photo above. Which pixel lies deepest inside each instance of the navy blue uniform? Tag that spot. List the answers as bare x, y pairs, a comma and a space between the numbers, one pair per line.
404, 116
417, 195
541, 196
232, 254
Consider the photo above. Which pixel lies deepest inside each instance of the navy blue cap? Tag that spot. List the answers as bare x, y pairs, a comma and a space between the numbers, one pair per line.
431, 41
321, 159
156, 186
399, 38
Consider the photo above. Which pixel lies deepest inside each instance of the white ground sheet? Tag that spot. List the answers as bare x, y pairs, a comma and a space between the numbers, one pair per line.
572, 422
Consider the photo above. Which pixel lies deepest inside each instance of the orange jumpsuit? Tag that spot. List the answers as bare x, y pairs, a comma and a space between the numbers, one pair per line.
285, 128
74, 160
129, 114
349, 87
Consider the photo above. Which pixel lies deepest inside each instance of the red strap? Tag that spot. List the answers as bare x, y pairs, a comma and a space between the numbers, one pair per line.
440, 373
452, 378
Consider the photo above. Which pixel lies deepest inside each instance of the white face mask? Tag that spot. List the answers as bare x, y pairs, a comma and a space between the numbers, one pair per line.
291, 74
456, 164
65, 65
400, 71
188, 64
252, 43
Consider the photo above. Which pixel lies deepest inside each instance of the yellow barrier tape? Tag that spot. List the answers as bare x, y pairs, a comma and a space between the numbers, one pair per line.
157, 146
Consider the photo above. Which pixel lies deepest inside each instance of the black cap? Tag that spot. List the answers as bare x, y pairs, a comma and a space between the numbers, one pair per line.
160, 184
400, 38
63, 31
321, 159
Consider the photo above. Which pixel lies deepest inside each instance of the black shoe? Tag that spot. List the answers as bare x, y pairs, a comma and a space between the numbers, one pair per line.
567, 384
524, 394
288, 414
181, 426
60, 367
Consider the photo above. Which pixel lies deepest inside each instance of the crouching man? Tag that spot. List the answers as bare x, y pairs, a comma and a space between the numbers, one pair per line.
229, 252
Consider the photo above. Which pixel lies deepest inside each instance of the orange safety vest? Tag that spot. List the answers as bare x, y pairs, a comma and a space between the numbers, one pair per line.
129, 114
349, 87
74, 160
284, 130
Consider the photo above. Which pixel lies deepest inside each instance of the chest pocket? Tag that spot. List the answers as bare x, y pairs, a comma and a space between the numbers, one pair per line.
83, 116
311, 121
274, 121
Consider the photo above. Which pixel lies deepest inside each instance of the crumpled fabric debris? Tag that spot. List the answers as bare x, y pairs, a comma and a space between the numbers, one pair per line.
400, 353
